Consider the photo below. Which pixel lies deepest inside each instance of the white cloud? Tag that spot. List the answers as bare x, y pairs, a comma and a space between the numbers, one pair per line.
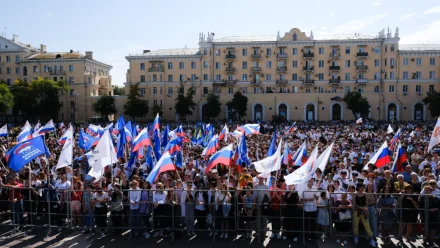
434, 10
358, 25
378, 2
407, 16
429, 33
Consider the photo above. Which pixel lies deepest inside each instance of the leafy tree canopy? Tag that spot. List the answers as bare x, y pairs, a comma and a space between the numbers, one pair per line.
135, 105
432, 99
239, 104
213, 106
6, 98
357, 104
105, 106
184, 104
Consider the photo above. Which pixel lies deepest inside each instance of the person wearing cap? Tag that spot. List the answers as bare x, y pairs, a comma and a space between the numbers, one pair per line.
428, 163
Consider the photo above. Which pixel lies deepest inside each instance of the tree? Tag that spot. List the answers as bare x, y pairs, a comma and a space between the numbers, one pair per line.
135, 106
39, 98
213, 106
357, 104
118, 91
432, 99
105, 106
6, 98
184, 104
238, 104
157, 110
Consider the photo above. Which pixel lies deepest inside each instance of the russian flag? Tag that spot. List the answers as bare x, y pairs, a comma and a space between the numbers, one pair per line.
25, 134
291, 129
174, 145
47, 128
37, 126
400, 159
156, 123
164, 164
273, 144
235, 159
4, 131
359, 121
287, 157
128, 134
212, 146
66, 135
394, 140
224, 156
120, 124
61, 125
224, 133
300, 156
93, 129
383, 157
249, 129
142, 139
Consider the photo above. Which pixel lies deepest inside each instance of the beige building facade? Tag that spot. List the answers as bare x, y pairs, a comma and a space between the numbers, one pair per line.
299, 76
87, 78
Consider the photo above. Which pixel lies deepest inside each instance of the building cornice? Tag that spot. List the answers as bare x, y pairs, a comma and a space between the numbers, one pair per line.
418, 53
162, 57
301, 43
65, 61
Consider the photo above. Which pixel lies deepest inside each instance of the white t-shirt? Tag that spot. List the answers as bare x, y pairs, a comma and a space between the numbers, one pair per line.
310, 206
101, 197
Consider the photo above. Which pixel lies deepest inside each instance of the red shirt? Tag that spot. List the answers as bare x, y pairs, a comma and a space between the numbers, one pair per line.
15, 193
275, 202
77, 197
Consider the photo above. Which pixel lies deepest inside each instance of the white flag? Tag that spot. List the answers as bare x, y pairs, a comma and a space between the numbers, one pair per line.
104, 153
322, 160
435, 137
66, 155
272, 163
390, 129
303, 173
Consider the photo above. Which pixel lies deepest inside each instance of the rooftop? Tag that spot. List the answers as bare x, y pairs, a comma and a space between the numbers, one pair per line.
274, 38
419, 47
55, 55
174, 51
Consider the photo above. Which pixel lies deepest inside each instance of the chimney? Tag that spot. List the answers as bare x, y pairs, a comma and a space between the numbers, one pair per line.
89, 55
147, 51
71, 51
43, 48
15, 38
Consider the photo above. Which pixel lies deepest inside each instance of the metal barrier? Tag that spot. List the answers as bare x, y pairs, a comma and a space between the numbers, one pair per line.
245, 213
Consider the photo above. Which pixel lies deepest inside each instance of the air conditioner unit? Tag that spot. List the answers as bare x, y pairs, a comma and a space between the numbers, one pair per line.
404, 93
412, 59
419, 93
169, 95
392, 66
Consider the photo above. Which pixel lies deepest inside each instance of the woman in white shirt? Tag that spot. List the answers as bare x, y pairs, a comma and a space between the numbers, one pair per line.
100, 200
135, 215
160, 207
223, 199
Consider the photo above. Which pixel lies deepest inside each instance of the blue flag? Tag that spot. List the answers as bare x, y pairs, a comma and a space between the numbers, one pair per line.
149, 158
24, 152
242, 148
156, 147
273, 144
179, 160
165, 136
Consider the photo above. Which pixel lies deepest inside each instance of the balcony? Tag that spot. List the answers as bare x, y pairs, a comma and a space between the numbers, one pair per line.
308, 82
255, 56
256, 69
361, 81
230, 56
335, 68
308, 55
230, 69
158, 69
230, 82
256, 82
335, 55
281, 82
57, 72
282, 56
308, 68
334, 82
362, 67
282, 69
362, 54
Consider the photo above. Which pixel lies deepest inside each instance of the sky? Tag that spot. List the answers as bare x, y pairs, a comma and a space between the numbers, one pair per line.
113, 29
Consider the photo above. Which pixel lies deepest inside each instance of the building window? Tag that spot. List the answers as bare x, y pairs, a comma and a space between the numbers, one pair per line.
205, 77
347, 63
154, 90
432, 75
268, 77
34, 69
244, 90
361, 90
321, 64
377, 76
391, 62
193, 77
391, 75
170, 90
419, 61
17, 58
376, 89
391, 88
244, 52
142, 79
8, 59
347, 50
405, 88
418, 75
170, 78
294, 36
244, 77
347, 76
256, 90
142, 91
377, 50
321, 50
295, 51
218, 77
268, 51
17, 70
217, 52
193, 65
231, 90
70, 80
376, 63
8, 70
244, 65
181, 65
294, 76
405, 61
405, 75
205, 51
205, 64
170, 65
71, 68
8, 81
217, 65
432, 61
307, 90
334, 90
392, 48
142, 66
321, 76
269, 64
418, 88
154, 78
347, 89
431, 88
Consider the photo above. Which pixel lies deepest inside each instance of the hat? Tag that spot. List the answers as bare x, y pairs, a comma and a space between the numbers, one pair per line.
343, 171
214, 171
262, 175
198, 175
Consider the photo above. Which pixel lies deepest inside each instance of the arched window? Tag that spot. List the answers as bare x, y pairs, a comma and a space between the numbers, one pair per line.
376, 89
294, 36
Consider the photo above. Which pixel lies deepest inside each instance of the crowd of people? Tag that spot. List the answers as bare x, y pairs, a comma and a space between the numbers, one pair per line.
238, 201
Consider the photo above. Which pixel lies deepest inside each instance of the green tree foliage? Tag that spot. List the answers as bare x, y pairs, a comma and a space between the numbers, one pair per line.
118, 91
105, 106
157, 110
238, 104
432, 99
39, 98
213, 106
135, 106
6, 98
184, 104
357, 104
